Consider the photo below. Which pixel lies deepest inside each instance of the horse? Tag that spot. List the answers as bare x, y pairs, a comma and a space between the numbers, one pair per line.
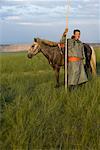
56, 58
90, 64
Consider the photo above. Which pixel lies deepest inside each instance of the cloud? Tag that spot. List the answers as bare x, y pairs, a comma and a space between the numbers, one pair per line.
47, 10
38, 14
13, 18
35, 24
45, 7
33, 11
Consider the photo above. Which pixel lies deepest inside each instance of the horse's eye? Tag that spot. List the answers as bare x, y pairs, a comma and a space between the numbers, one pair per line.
32, 46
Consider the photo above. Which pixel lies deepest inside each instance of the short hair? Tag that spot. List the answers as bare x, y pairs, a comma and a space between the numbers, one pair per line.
76, 30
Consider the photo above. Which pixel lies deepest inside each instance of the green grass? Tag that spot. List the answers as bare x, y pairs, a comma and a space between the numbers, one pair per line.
36, 116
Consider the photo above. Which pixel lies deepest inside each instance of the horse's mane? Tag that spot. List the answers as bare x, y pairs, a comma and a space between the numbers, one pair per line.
46, 42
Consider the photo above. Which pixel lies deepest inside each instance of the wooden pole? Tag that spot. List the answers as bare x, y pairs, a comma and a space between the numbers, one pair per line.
66, 58
66, 47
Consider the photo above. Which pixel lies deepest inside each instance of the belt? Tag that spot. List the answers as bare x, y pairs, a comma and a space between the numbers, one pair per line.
72, 59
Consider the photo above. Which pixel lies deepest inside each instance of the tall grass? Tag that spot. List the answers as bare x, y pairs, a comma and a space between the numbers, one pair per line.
36, 116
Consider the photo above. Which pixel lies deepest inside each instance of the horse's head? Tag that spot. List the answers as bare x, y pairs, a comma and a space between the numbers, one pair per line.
34, 49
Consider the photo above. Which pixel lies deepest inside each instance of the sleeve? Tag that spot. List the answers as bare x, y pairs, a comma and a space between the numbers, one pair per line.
83, 51
70, 44
63, 40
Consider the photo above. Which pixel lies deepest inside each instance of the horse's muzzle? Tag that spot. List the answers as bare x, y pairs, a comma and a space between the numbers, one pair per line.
29, 55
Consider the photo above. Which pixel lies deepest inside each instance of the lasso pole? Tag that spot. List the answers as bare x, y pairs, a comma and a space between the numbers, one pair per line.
66, 48
66, 58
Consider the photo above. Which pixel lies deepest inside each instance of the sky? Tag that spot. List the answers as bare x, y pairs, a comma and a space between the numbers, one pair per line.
22, 20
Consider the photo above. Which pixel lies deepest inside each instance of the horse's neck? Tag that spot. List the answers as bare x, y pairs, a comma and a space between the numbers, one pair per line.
46, 52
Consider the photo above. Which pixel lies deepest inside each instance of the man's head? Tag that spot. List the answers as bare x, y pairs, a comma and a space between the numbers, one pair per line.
76, 33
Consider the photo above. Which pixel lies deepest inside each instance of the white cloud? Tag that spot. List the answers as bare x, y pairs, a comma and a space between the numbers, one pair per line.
52, 13
84, 22
33, 11
35, 24
13, 18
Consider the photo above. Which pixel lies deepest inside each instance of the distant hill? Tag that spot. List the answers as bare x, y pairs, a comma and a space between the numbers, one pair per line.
25, 47
94, 44
14, 47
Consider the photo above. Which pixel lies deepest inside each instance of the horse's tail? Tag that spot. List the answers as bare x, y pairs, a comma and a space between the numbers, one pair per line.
93, 61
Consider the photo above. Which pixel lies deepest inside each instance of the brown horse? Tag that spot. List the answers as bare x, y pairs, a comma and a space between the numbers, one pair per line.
54, 55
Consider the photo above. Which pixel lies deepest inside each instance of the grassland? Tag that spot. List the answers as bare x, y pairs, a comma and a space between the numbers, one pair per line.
36, 116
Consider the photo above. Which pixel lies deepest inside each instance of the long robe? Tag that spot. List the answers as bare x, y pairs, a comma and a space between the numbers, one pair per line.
76, 71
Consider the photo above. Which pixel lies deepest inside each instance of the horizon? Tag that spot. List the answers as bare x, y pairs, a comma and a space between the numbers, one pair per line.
8, 44
22, 20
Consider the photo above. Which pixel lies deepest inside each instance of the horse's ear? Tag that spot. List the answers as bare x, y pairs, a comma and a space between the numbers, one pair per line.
35, 39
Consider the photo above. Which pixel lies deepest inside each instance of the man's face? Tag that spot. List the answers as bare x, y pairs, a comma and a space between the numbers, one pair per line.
77, 35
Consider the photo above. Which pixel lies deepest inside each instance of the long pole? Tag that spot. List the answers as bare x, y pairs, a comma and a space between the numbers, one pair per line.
66, 47
66, 58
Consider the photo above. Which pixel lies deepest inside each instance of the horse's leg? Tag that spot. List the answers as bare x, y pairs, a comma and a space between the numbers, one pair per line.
57, 70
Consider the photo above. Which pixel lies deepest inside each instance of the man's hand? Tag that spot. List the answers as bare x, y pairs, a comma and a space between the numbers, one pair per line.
66, 30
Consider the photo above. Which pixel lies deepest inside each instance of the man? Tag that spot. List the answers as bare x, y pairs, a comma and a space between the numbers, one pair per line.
76, 71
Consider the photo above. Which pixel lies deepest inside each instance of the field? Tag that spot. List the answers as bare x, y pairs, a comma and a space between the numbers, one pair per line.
36, 116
